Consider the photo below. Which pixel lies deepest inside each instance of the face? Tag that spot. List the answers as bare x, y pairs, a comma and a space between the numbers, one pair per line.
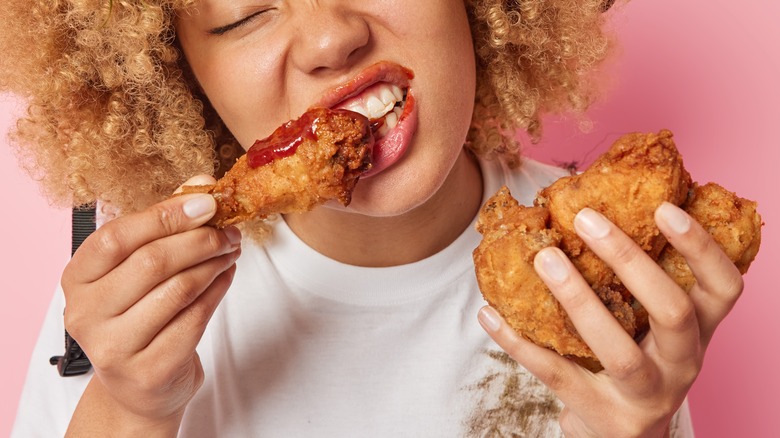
262, 63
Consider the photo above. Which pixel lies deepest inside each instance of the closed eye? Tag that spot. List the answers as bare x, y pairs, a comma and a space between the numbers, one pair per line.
228, 27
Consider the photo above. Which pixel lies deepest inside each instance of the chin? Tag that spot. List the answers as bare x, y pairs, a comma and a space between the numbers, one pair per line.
396, 191
388, 196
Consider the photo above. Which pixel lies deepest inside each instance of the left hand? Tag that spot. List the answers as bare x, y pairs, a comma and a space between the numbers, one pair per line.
644, 384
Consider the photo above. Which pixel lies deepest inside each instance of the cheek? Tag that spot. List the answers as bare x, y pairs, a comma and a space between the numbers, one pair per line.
248, 102
450, 64
235, 98
452, 100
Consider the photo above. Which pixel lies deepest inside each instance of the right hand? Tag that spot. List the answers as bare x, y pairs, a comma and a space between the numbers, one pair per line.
139, 293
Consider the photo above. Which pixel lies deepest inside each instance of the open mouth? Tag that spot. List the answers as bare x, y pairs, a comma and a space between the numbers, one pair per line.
382, 103
381, 92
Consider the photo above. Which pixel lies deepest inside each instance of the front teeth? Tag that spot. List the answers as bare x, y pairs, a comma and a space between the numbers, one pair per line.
377, 101
377, 108
391, 120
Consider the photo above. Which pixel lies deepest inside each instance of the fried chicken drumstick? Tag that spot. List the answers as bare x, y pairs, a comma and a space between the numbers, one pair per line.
626, 184
304, 163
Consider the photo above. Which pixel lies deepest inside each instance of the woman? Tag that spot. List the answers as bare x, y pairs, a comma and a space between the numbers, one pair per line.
354, 320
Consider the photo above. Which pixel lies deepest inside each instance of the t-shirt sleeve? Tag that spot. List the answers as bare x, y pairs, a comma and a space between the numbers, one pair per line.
48, 400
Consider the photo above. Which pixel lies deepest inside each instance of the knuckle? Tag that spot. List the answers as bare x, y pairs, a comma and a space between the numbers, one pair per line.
153, 261
197, 315
108, 242
226, 261
626, 252
181, 291
575, 300
626, 365
734, 288
213, 240
554, 378
688, 375
169, 219
199, 378
189, 377
679, 316
68, 280
71, 289
74, 322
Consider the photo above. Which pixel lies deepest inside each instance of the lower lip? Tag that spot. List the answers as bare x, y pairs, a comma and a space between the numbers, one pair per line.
390, 148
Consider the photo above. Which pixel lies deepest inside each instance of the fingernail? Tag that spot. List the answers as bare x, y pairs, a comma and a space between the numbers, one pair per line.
233, 235
199, 206
489, 319
553, 265
678, 221
591, 223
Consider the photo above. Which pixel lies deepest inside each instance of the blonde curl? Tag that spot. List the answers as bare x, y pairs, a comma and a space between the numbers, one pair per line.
533, 57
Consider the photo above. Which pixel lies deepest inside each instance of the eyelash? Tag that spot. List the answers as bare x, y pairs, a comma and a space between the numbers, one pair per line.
224, 29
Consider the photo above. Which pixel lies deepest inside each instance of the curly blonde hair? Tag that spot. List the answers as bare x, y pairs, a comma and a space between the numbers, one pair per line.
114, 114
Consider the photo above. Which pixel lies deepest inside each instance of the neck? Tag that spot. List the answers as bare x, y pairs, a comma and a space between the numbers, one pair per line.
363, 240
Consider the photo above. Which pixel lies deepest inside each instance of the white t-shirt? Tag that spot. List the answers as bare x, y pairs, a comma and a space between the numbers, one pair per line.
303, 345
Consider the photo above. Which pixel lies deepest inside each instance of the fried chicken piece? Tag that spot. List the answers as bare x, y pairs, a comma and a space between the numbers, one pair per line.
732, 221
626, 184
512, 235
304, 163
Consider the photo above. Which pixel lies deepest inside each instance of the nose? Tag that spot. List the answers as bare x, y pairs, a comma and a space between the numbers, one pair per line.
329, 37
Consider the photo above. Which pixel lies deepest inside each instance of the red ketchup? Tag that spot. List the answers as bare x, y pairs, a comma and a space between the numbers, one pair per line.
285, 140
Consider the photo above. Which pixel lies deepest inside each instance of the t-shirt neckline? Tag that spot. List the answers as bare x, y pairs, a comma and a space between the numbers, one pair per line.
308, 270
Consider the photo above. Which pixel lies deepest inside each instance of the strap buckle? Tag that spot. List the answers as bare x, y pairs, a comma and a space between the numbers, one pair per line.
74, 363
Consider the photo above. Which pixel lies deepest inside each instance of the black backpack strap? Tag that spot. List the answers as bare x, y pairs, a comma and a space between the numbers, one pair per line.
75, 362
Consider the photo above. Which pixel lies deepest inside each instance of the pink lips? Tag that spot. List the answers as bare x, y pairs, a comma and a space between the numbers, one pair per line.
383, 71
390, 148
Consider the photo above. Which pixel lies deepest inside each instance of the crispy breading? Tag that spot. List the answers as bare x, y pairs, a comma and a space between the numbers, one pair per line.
731, 220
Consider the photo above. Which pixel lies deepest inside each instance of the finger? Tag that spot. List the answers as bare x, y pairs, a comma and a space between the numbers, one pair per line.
179, 338
162, 259
198, 180
617, 351
718, 281
115, 241
120, 343
672, 314
174, 296
574, 385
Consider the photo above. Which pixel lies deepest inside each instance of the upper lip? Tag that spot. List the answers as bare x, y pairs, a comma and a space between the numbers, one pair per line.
382, 71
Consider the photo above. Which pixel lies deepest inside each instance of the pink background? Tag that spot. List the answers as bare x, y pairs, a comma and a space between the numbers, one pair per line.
707, 70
